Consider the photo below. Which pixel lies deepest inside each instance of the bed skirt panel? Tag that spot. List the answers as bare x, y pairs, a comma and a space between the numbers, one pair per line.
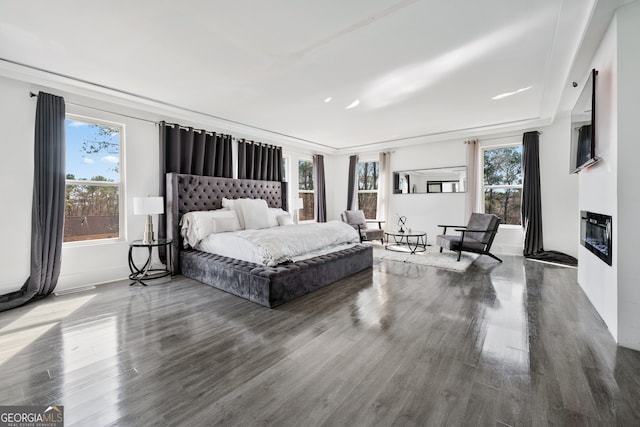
272, 286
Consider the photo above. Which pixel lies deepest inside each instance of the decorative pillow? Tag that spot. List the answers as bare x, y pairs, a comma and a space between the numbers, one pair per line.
197, 225
274, 213
254, 212
285, 219
223, 225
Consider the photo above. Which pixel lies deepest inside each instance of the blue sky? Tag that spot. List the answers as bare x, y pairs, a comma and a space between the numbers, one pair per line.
83, 165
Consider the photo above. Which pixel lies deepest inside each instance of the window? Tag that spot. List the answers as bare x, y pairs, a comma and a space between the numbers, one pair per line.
503, 183
368, 174
305, 189
93, 184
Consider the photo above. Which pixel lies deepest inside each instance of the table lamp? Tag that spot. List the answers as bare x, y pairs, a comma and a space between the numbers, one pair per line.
297, 204
148, 206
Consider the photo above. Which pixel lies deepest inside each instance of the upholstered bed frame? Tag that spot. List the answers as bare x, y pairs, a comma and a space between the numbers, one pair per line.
267, 286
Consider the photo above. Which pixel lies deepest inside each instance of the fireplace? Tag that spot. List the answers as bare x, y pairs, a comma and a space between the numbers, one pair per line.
595, 234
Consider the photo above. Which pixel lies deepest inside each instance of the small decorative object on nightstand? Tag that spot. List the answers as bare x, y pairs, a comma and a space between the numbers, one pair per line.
138, 274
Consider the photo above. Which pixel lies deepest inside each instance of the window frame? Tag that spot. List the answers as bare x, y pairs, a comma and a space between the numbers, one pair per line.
377, 184
120, 184
513, 143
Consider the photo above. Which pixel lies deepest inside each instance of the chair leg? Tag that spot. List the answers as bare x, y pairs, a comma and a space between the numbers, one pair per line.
440, 249
459, 255
493, 256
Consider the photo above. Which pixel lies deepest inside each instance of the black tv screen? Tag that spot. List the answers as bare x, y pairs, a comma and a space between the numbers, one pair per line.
583, 135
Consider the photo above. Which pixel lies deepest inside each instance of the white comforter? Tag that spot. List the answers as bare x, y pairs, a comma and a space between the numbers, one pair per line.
272, 246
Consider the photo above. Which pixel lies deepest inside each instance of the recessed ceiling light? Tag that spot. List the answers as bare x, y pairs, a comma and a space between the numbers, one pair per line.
504, 95
353, 104
328, 99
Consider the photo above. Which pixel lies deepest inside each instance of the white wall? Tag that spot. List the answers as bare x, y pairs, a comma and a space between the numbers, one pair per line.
628, 73
86, 263
17, 115
598, 184
560, 222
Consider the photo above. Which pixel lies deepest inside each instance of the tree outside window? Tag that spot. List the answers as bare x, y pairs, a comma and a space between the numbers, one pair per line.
503, 183
368, 177
93, 185
305, 190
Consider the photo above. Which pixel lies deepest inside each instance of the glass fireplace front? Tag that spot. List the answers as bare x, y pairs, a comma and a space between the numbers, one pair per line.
595, 234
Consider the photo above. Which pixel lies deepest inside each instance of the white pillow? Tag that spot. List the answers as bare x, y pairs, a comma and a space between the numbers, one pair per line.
285, 219
254, 212
197, 225
274, 213
223, 225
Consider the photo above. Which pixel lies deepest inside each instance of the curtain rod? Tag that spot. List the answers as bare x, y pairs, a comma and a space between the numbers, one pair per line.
34, 95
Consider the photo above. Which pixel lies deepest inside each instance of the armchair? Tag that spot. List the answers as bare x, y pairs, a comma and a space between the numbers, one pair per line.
477, 236
357, 220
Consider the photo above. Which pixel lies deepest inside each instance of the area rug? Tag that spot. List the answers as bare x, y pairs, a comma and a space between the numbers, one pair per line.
431, 257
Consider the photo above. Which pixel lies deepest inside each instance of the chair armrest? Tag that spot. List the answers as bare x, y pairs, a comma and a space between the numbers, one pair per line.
466, 230
379, 221
450, 226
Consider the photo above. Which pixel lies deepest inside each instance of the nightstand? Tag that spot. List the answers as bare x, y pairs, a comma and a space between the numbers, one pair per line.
138, 274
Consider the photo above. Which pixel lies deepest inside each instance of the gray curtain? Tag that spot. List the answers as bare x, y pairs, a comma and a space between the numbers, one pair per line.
192, 151
259, 161
352, 190
532, 205
47, 211
320, 199
531, 196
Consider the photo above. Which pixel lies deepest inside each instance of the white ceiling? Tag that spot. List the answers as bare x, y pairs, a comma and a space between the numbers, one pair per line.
418, 67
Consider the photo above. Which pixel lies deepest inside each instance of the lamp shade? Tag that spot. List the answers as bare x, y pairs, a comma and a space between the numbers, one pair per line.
297, 203
148, 205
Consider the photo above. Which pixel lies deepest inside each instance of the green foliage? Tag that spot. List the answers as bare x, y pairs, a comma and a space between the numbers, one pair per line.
101, 142
305, 175
368, 173
503, 166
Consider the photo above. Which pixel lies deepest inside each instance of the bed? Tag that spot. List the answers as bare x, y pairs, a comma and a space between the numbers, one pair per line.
269, 286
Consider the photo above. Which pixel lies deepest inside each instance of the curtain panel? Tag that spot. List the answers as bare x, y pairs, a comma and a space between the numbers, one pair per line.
531, 195
352, 189
47, 211
320, 199
192, 151
384, 186
473, 197
259, 161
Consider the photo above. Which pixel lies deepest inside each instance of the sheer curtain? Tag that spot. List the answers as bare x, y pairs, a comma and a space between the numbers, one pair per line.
352, 190
47, 211
384, 186
259, 161
473, 198
320, 199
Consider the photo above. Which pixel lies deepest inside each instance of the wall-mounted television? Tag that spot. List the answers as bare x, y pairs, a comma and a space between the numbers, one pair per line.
583, 127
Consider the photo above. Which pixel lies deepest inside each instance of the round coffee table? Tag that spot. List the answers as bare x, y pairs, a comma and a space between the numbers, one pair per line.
414, 240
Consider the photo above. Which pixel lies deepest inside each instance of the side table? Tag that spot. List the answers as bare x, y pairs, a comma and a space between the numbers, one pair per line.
138, 274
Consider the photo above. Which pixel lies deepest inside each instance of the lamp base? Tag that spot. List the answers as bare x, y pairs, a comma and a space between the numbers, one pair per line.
148, 232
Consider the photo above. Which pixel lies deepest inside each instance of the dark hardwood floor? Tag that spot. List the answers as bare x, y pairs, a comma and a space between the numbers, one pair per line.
516, 343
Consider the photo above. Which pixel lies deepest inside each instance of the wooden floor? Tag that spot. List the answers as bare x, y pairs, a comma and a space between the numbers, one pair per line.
515, 343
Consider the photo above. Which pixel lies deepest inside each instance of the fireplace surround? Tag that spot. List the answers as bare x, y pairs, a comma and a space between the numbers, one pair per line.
596, 234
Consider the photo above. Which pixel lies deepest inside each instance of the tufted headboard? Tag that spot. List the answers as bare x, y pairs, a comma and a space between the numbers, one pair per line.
187, 193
